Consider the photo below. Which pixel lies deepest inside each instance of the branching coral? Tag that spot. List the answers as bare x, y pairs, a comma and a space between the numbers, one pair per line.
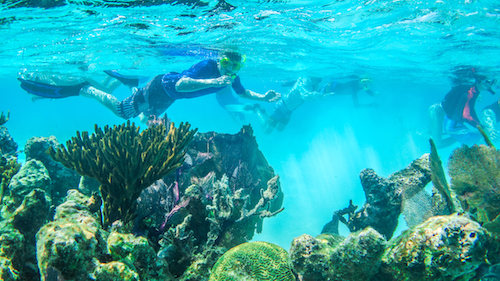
4, 118
475, 173
231, 211
125, 161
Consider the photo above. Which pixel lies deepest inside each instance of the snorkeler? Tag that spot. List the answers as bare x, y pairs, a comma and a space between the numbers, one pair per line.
307, 88
352, 86
206, 77
455, 118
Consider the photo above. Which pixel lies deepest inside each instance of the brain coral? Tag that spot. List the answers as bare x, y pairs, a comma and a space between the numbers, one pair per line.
253, 261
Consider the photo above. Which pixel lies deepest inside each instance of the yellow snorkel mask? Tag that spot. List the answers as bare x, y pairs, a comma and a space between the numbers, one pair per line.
232, 66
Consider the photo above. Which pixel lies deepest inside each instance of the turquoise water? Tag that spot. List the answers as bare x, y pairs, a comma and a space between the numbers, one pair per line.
406, 48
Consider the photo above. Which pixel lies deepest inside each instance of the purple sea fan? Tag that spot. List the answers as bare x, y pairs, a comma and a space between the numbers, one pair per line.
155, 202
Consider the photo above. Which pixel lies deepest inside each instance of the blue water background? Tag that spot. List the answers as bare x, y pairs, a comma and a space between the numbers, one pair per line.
406, 48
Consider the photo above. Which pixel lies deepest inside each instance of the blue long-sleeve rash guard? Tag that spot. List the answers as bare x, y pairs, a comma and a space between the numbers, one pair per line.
206, 69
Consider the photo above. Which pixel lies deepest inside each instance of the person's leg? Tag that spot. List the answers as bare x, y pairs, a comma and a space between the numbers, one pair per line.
51, 78
489, 121
104, 83
128, 108
436, 121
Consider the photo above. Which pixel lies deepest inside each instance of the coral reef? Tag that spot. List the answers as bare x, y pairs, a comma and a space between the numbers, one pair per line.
24, 211
331, 257
8, 168
70, 244
384, 197
235, 155
202, 217
125, 161
32, 175
12, 250
63, 178
115, 270
253, 261
475, 177
136, 254
8, 158
208, 226
216, 200
442, 248
7, 144
75, 247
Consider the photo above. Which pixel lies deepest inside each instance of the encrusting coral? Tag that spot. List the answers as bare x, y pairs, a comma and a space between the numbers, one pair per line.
442, 248
125, 161
8, 165
254, 261
335, 258
8, 168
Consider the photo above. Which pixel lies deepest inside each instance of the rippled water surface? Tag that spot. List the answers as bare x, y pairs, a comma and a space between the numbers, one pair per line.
421, 37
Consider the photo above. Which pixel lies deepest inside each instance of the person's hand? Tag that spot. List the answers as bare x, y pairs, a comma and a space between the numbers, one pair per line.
223, 81
272, 96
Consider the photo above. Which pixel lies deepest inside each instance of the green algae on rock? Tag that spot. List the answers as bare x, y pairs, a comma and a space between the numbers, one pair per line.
72, 242
115, 270
68, 247
125, 161
32, 213
32, 175
331, 257
62, 178
7, 271
136, 253
8, 168
258, 261
11, 251
442, 248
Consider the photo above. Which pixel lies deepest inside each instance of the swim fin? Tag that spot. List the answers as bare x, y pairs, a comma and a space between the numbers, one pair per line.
51, 91
129, 81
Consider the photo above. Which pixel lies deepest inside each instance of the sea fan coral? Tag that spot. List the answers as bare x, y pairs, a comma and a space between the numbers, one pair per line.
475, 177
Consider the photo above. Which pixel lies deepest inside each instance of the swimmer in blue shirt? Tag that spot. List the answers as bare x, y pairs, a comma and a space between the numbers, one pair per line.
206, 77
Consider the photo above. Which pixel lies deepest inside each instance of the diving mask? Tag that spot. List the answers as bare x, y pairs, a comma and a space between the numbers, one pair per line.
232, 66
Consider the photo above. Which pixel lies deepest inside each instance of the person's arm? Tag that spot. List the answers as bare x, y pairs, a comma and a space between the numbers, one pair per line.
187, 84
269, 96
